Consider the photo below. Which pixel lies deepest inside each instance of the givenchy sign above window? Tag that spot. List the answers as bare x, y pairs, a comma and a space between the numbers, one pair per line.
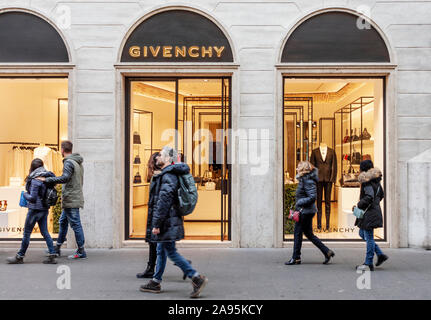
177, 36
176, 51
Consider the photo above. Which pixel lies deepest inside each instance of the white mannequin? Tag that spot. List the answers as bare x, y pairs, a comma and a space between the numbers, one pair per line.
323, 150
44, 153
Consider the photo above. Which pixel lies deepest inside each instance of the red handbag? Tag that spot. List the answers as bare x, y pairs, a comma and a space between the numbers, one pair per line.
294, 215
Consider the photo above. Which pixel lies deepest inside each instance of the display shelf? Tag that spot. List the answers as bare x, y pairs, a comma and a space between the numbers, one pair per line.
352, 126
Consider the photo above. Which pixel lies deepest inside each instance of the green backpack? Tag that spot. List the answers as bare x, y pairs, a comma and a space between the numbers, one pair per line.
187, 194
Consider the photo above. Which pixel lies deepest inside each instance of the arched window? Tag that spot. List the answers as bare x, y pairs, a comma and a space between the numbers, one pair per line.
335, 37
25, 37
177, 36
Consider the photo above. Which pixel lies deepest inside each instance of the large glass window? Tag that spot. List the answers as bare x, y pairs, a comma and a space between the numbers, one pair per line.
192, 115
33, 121
335, 123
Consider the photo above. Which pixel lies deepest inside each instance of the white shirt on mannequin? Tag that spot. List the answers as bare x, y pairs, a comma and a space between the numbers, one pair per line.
323, 151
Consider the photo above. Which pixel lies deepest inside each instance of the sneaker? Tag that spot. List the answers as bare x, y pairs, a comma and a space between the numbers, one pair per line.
78, 255
51, 259
365, 267
15, 260
380, 259
151, 286
198, 284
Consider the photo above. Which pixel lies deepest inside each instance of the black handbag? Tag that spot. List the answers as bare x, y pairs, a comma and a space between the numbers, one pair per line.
137, 160
137, 178
355, 137
356, 158
365, 135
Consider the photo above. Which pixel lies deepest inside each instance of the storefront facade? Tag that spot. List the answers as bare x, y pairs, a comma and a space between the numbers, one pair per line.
256, 77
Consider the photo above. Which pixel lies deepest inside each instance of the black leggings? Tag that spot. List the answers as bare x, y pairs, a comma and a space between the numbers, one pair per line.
153, 254
305, 226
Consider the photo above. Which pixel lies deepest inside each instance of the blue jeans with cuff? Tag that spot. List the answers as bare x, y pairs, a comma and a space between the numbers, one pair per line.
41, 217
167, 249
71, 216
372, 247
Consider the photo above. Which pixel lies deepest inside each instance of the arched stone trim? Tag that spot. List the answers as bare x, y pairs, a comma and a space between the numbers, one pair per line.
310, 16
61, 40
161, 9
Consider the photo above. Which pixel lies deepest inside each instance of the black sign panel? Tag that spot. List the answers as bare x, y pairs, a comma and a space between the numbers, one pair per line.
177, 36
335, 37
25, 37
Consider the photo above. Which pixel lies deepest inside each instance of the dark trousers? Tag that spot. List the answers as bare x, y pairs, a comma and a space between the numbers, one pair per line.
153, 254
323, 187
41, 217
305, 226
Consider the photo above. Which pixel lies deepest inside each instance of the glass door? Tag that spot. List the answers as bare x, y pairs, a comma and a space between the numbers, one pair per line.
192, 115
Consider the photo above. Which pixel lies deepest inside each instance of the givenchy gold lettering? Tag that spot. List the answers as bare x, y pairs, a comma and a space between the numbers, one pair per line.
218, 51
135, 51
155, 52
208, 52
194, 51
180, 51
167, 52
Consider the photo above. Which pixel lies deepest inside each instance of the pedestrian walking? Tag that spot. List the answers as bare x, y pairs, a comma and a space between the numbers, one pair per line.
37, 212
369, 200
306, 192
152, 177
72, 180
167, 223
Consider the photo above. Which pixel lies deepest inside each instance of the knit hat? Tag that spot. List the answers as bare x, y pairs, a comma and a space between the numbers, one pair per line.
366, 165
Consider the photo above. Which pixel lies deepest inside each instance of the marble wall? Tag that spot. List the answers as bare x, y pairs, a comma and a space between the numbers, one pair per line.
257, 30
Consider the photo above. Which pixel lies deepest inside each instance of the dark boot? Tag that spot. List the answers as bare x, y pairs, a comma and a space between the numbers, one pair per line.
51, 259
148, 273
292, 262
15, 260
328, 256
380, 259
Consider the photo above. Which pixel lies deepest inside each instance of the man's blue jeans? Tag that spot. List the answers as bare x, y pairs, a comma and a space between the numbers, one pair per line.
41, 217
71, 216
372, 247
167, 249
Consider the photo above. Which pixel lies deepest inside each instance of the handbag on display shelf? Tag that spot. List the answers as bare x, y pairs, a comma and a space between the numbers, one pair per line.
366, 157
346, 137
350, 179
356, 157
210, 186
137, 160
355, 137
294, 215
365, 135
137, 178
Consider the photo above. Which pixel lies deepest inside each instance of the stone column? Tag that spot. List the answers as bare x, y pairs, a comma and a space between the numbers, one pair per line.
419, 200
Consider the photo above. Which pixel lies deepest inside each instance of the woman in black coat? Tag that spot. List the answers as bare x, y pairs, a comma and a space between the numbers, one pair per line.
306, 204
37, 212
153, 177
370, 196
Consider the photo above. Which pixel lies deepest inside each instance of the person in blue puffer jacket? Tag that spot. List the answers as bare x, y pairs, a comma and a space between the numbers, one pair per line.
306, 192
37, 212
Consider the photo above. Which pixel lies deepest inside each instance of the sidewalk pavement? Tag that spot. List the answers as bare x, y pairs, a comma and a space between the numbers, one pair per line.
241, 274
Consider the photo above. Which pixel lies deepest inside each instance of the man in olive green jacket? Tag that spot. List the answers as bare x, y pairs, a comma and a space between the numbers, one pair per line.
72, 198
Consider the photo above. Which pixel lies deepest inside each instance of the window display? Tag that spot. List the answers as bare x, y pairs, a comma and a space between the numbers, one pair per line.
39, 105
191, 115
349, 117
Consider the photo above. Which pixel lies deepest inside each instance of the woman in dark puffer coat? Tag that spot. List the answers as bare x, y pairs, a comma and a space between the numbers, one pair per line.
153, 177
37, 212
370, 196
306, 204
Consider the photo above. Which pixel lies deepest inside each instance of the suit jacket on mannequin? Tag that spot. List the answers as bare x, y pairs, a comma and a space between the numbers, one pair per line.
327, 168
